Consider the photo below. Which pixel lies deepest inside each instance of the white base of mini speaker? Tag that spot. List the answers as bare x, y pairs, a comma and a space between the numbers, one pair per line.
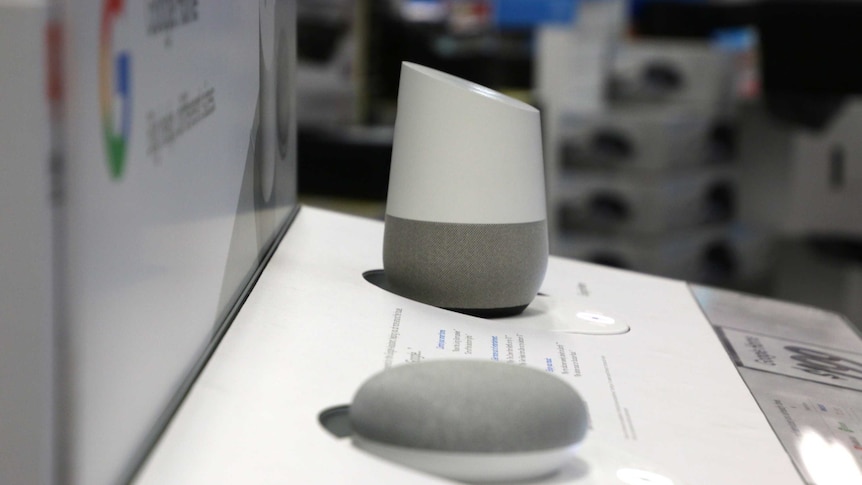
473, 467
600, 462
591, 463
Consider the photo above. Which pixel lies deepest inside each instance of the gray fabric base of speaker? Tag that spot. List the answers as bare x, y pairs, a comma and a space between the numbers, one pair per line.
377, 277
493, 269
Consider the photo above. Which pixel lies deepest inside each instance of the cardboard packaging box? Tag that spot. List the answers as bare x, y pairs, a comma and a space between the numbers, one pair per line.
726, 255
802, 182
633, 203
700, 73
639, 137
147, 167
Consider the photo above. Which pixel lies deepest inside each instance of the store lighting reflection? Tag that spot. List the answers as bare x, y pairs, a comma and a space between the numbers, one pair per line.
827, 463
633, 476
424, 11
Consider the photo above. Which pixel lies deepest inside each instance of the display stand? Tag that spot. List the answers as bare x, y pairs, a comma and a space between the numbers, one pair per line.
666, 401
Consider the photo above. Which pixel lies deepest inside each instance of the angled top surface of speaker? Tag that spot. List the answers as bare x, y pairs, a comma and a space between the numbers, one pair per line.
464, 153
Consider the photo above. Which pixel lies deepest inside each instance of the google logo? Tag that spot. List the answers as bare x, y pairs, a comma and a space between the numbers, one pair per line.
115, 95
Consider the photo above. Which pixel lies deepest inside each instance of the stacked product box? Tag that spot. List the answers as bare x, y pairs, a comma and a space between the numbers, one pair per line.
648, 182
804, 187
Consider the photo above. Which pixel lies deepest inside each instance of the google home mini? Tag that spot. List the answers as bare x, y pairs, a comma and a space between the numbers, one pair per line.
469, 420
466, 225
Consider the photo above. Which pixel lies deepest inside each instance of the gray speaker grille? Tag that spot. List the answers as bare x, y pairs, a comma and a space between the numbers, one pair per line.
468, 406
465, 266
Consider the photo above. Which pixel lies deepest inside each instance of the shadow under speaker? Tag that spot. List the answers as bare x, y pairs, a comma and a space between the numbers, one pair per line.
466, 225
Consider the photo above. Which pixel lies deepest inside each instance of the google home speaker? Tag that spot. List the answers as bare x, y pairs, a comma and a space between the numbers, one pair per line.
470, 420
466, 225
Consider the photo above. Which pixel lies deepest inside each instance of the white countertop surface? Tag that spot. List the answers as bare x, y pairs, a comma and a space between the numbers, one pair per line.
663, 397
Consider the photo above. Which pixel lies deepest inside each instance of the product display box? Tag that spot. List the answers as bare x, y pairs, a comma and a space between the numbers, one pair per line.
637, 203
798, 180
702, 74
724, 255
147, 169
839, 280
636, 137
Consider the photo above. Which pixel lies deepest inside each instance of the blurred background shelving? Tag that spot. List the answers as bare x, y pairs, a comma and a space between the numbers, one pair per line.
711, 141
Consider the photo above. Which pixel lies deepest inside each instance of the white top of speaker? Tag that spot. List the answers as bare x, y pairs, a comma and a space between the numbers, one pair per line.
464, 153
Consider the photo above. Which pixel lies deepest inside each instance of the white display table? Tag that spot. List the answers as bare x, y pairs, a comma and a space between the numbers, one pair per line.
665, 398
